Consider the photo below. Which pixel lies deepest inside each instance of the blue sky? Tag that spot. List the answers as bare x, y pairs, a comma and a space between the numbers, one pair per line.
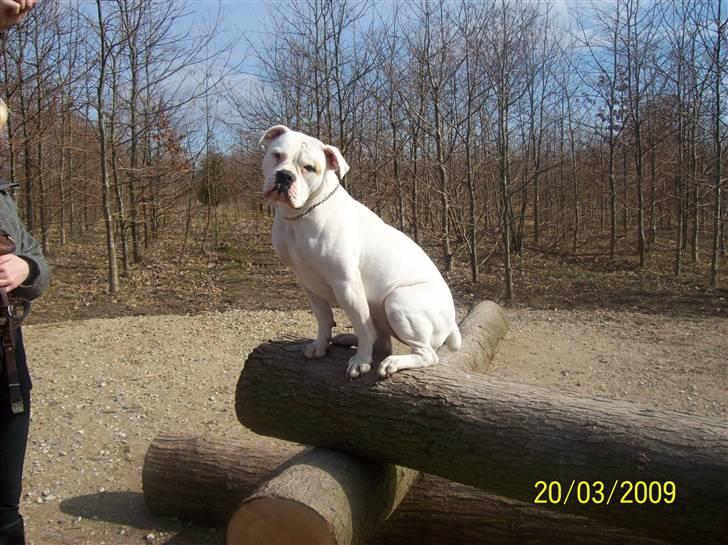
249, 18
245, 15
241, 19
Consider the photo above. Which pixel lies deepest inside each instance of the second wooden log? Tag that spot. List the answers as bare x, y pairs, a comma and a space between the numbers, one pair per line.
205, 478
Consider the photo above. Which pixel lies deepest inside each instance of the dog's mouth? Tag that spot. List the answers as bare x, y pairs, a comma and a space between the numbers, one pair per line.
276, 195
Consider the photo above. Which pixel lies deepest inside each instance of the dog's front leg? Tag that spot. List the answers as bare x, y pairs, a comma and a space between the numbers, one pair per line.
325, 320
352, 298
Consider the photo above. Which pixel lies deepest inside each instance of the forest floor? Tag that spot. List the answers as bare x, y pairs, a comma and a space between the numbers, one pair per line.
241, 271
112, 371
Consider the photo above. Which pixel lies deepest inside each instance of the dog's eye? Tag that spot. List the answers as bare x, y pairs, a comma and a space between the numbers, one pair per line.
276, 156
310, 168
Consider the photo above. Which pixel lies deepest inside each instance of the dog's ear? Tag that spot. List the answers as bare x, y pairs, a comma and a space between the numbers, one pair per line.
335, 161
271, 134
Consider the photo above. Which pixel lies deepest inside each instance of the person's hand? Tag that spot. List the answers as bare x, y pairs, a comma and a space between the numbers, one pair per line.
13, 11
13, 271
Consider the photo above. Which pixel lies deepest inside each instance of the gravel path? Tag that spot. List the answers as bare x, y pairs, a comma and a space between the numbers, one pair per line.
105, 388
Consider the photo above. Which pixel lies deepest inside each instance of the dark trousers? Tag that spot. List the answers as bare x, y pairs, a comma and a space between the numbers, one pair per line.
13, 439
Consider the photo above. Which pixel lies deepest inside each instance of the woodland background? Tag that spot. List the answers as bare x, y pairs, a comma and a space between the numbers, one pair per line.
564, 158
545, 154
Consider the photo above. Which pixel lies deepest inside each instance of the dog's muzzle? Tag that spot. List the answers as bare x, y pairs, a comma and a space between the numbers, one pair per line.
284, 179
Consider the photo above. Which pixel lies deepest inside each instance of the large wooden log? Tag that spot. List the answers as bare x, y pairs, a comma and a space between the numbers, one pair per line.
503, 437
205, 478
325, 496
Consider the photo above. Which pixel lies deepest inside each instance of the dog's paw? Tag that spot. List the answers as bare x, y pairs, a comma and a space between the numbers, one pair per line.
346, 340
315, 350
358, 366
388, 367
392, 364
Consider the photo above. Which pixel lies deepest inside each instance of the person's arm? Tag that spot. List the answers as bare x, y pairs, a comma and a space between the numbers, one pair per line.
13, 11
26, 273
39, 273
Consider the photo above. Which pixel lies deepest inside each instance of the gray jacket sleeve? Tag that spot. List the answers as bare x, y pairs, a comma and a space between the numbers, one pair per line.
27, 248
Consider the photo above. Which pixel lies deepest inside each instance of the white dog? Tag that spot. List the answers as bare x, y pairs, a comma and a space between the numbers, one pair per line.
341, 252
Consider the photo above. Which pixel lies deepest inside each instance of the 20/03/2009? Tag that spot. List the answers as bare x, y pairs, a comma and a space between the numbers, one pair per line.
598, 492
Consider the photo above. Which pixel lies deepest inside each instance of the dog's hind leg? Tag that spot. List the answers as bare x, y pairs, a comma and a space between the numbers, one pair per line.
382, 344
415, 321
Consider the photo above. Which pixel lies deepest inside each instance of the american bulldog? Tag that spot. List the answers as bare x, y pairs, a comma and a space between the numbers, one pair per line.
342, 253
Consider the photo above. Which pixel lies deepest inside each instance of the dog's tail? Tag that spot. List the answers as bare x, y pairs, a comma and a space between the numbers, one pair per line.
453, 340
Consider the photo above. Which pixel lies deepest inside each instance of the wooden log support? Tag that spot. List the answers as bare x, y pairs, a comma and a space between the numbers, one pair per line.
205, 478
503, 437
326, 496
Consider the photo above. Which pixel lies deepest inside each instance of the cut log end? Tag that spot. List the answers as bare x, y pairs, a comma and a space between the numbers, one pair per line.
276, 521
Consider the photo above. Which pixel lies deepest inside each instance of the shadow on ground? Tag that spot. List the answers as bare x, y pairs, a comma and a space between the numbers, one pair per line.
127, 508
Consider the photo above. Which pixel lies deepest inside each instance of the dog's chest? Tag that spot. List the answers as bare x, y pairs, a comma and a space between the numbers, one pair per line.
301, 251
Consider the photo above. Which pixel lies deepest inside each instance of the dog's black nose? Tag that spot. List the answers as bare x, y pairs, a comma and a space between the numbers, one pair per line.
284, 179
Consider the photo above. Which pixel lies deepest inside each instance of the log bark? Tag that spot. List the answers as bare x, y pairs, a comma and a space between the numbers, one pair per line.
326, 496
205, 478
501, 437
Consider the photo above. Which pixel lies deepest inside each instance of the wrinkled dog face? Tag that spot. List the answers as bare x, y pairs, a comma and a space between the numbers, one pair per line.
295, 165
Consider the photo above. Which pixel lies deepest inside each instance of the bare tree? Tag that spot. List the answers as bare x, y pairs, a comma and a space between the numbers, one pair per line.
509, 79
104, 52
608, 75
638, 46
718, 62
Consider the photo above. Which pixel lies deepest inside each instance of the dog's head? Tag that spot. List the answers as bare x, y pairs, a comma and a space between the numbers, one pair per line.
295, 165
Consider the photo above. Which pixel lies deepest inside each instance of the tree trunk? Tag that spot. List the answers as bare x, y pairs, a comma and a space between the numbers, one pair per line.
640, 196
188, 222
718, 165
677, 263
612, 146
536, 216
40, 152
653, 182
503, 174
339, 498
113, 274
447, 253
118, 189
63, 192
472, 229
502, 437
205, 478
538, 145
395, 165
574, 180
625, 196
9, 122
695, 235
134, 144
415, 195
471, 232
27, 170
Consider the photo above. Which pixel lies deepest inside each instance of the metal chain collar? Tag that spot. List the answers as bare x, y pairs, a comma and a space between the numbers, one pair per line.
310, 208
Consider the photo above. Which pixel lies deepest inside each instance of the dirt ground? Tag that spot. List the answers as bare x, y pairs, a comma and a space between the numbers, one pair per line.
165, 355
